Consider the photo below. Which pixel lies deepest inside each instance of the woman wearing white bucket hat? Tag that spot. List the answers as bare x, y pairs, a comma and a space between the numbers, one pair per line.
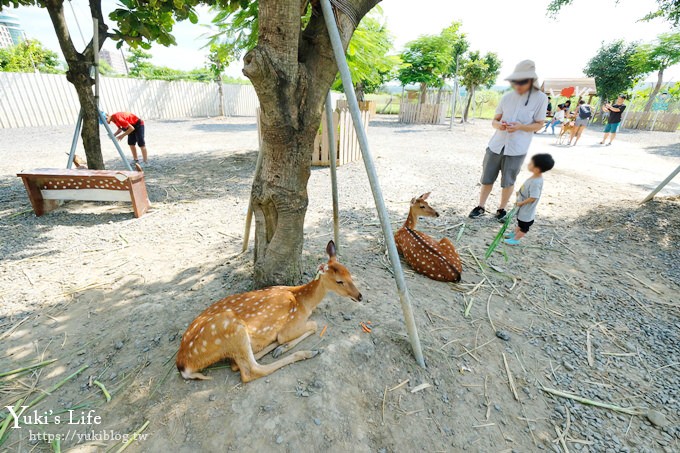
520, 113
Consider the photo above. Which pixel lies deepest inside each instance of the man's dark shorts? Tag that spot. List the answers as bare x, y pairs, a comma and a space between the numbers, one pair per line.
137, 136
524, 226
508, 166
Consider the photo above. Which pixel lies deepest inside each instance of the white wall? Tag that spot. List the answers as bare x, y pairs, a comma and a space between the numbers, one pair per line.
34, 100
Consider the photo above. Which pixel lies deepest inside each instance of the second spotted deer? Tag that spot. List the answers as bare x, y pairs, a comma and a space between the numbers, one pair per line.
437, 260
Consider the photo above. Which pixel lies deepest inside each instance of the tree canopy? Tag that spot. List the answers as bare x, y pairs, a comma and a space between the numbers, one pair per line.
667, 9
658, 55
29, 56
426, 61
478, 71
613, 69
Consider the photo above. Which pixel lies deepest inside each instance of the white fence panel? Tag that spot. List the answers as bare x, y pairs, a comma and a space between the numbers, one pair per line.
37, 100
240, 100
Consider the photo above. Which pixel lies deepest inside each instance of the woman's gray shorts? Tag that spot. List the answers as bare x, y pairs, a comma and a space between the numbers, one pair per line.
508, 166
582, 122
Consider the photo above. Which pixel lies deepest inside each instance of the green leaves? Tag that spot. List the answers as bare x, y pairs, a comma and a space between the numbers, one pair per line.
614, 69
28, 56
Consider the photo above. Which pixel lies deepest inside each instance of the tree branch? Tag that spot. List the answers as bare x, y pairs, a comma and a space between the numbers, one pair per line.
55, 8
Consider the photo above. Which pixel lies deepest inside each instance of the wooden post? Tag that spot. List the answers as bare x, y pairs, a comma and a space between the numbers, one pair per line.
330, 133
651, 195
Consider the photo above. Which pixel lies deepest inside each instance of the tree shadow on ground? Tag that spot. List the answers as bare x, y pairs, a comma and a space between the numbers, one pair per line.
225, 127
672, 150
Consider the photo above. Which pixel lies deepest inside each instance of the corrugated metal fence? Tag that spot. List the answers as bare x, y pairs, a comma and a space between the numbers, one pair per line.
35, 100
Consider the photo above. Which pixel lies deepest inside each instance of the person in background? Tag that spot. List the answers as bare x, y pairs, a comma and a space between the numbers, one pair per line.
520, 113
583, 115
132, 127
557, 119
548, 112
614, 121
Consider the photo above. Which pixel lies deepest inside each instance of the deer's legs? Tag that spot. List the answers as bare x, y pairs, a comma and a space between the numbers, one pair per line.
293, 334
259, 355
247, 364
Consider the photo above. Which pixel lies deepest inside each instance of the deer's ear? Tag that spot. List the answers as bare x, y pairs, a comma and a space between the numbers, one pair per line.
414, 200
330, 249
424, 196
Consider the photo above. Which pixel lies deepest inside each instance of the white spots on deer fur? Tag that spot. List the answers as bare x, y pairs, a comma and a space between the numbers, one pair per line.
218, 341
212, 326
225, 324
195, 351
191, 343
205, 343
201, 331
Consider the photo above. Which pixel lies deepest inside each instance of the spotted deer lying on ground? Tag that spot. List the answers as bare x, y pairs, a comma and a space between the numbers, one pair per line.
437, 260
245, 327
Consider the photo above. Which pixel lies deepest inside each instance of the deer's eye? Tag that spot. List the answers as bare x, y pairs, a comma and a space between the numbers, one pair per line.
339, 282
422, 207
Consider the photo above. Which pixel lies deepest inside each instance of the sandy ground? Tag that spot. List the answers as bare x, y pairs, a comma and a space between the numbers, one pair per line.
589, 303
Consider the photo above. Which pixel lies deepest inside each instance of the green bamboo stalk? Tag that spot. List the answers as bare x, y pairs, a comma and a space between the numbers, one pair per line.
107, 395
132, 438
499, 237
27, 368
56, 386
8, 418
625, 410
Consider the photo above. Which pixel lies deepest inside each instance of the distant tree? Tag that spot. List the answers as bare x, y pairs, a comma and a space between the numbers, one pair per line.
613, 69
368, 55
477, 71
426, 61
29, 56
657, 56
220, 56
140, 62
458, 45
668, 9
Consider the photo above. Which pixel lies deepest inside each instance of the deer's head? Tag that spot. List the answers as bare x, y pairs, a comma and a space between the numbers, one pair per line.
335, 277
420, 208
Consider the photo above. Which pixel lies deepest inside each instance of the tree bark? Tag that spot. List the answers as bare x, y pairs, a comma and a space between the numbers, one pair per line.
78, 74
655, 91
423, 92
291, 70
468, 102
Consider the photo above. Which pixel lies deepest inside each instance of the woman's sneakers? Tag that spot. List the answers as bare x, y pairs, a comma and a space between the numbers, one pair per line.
509, 235
477, 212
512, 241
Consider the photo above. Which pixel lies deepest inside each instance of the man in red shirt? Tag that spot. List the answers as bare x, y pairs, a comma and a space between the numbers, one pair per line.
132, 127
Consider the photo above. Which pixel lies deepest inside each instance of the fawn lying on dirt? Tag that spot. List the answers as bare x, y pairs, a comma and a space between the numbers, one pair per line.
245, 327
437, 260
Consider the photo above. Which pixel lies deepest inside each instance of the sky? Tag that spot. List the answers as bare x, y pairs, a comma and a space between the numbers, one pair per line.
514, 30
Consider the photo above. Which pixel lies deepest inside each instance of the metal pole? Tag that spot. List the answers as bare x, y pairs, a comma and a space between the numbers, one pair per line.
249, 214
662, 185
114, 139
346, 77
74, 142
95, 45
334, 174
454, 102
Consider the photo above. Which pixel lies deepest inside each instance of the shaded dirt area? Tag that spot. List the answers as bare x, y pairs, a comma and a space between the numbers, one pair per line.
589, 304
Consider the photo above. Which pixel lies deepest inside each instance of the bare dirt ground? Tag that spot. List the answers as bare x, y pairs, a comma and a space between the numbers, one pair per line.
589, 303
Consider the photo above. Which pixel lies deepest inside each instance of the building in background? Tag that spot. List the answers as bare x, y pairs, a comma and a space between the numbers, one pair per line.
11, 32
115, 59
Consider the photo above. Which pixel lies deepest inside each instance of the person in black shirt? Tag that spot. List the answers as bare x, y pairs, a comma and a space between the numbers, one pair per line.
615, 112
549, 111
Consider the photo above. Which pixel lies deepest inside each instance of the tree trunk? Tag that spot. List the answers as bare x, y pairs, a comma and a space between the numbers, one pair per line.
291, 71
423, 93
655, 91
78, 73
220, 91
468, 102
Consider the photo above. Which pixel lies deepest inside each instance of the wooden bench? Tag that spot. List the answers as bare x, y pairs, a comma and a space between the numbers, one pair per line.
48, 187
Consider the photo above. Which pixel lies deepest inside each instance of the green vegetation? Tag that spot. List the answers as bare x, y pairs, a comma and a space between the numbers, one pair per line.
668, 10
368, 52
431, 59
477, 71
657, 56
29, 56
613, 69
